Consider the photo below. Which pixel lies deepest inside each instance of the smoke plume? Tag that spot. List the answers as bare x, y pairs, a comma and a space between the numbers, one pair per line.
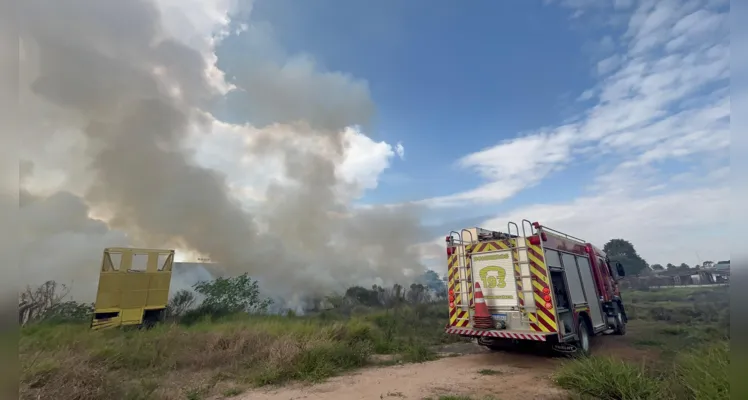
106, 78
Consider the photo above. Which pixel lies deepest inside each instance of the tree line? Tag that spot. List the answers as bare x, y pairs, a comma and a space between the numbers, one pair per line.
228, 295
623, 251
241, 294
224, 296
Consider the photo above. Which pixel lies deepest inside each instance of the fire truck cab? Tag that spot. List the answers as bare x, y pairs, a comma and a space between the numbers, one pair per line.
539, 285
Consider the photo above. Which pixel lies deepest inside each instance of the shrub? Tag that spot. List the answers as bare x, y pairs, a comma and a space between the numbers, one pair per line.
232, 295
704, 374
418, 352
609, 379
701, 374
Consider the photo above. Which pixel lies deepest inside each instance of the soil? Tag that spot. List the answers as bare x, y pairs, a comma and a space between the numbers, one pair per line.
464, 369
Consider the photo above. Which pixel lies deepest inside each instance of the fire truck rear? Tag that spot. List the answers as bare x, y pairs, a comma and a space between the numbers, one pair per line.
539, 285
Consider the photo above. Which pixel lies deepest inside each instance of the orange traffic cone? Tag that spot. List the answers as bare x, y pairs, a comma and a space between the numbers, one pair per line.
481, 317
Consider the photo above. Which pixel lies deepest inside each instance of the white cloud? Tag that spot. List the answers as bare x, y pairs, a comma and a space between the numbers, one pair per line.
512, 166
657, 102
225, 149
365, 160
400, 150
671, 227
609, 64
650, 109
586, 95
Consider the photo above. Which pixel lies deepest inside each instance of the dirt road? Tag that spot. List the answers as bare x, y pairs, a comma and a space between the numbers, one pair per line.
472, 371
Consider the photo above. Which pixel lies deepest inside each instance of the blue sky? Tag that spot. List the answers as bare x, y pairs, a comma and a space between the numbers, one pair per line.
602, 118
446, 82
605, 118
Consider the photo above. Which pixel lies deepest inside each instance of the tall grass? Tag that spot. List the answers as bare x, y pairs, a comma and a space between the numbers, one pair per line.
669, 320
704, 375
699, 375
69, 361
607, 378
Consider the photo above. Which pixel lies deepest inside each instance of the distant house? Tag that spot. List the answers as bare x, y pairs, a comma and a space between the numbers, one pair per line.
681, 276
721, 271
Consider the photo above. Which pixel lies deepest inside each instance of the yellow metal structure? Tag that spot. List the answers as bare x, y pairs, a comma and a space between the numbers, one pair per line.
133, 287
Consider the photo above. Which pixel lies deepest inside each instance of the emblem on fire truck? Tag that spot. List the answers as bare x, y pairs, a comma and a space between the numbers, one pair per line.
493, 280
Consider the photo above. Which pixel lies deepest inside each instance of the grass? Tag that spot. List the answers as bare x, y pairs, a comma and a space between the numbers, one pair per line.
226, 356
176, 362
459, 397
609, 379
689, 328
489, 372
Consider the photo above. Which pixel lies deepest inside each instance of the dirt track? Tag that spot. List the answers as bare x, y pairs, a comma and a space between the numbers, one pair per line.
513, 376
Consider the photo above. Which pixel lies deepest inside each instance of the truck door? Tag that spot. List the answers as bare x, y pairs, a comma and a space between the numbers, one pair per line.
582, 286
495, 272
590, 289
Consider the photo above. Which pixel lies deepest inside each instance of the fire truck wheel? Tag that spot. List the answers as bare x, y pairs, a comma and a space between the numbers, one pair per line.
583, 344
620, 324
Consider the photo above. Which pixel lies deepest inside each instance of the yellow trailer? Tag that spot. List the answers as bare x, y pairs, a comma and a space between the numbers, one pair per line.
133, 287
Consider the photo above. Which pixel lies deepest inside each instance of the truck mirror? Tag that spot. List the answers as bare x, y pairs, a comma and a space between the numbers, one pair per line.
620, 270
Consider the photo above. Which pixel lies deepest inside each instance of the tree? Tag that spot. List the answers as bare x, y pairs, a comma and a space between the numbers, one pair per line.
182, 301
34, 303
433, 282
232, 295
670, 267
658, 267
620, 250
684, 266
364, 296
417, 293
46, 303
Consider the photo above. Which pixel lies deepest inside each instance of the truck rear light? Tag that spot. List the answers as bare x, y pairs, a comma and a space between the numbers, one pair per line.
448, 239
547, 298
543, 236
534, 240
546, 290
451, 296
450, 250
536, 225
548, 305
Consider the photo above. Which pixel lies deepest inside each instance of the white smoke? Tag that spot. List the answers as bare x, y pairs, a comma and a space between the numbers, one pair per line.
116, 97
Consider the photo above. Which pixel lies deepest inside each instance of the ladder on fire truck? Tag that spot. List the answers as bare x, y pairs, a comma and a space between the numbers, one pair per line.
517, 243
463, 275
528, 293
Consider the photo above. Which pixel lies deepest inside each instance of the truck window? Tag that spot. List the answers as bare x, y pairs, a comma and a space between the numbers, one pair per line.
610, 269
604, 267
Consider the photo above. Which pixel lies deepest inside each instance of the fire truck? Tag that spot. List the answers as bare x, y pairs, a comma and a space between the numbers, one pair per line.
531, 284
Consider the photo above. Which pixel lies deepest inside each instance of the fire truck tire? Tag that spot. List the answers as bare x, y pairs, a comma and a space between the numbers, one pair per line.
583, 344
620, 324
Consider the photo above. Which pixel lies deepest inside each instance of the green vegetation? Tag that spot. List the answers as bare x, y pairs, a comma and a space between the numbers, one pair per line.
203, 349
688, 332
229, 343
489, 372
621, 250
458, 397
